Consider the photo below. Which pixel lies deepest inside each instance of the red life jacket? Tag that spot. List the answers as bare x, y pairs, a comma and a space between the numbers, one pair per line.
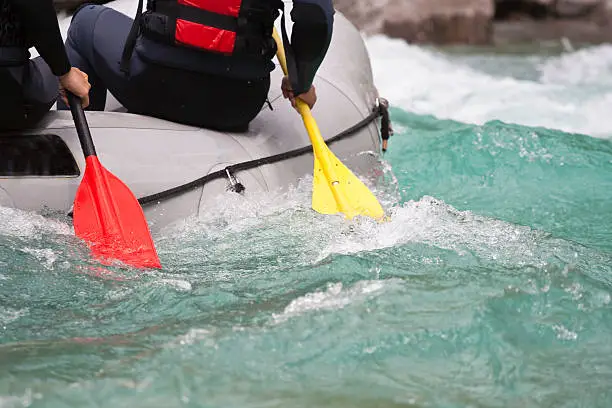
211, 25
228, 27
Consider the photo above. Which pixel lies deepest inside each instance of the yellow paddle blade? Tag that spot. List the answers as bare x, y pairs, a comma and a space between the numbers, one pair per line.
335, 188
323, 200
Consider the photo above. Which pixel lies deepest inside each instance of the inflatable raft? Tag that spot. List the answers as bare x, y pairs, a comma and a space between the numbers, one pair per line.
175, 170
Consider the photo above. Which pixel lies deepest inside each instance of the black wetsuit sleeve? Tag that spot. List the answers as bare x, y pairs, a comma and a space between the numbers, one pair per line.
313, 22
42, 29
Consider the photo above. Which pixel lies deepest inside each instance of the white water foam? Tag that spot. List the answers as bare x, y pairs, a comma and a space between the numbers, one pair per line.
26, 224
23, 401
428, 82
333, 298
590, 66
46, 256
179, 285
564, 333
283, 226
433, 222
9, 315
236, 240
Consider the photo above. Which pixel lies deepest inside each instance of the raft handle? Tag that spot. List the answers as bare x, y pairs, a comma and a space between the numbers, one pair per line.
235, 185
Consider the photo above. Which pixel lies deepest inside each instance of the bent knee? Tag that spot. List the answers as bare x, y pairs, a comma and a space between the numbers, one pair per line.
83, 25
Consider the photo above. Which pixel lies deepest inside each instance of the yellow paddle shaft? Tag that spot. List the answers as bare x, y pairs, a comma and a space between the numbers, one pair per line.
317, 141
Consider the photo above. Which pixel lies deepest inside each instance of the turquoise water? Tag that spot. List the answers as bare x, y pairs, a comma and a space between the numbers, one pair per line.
490, 287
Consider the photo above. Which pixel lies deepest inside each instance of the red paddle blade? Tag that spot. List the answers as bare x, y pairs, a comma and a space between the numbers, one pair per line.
110, 219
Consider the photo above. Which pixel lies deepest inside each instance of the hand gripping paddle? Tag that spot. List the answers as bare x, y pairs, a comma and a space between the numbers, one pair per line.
335, 189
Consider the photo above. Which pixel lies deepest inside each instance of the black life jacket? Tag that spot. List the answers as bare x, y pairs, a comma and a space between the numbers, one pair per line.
13, 41
225, 27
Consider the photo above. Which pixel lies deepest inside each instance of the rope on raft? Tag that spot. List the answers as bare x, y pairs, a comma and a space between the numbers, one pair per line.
381, 110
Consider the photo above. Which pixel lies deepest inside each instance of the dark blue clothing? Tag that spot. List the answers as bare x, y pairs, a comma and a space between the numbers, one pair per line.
28, 92
24, 23
29, 87
95, 44
311, 35
186, 85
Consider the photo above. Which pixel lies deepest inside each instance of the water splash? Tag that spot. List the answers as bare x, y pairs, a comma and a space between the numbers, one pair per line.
587, 67
335, 296
26, 224
428, 82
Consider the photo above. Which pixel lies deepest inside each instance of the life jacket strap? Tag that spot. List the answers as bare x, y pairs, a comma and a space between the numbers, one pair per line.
290, 55
130, 42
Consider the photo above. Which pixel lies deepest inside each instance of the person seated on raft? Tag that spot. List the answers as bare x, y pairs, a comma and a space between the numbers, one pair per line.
202, 63
30, 87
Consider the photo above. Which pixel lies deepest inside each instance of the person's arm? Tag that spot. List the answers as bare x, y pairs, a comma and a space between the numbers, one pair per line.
41, 26
311, 35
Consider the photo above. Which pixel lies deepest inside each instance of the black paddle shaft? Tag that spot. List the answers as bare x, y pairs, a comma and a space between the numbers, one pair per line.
80, 121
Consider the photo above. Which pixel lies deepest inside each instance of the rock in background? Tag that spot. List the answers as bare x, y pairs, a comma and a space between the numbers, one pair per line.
581, 21
577, 8
482, 21
424, 21
440, 22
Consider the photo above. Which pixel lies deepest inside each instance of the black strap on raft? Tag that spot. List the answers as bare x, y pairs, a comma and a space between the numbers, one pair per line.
379, 111
386, 130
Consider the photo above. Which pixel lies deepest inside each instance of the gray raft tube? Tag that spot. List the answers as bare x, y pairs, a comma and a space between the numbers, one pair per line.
152, 155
